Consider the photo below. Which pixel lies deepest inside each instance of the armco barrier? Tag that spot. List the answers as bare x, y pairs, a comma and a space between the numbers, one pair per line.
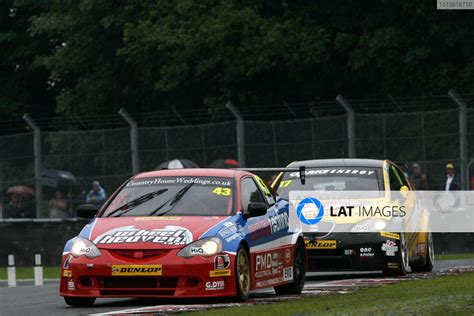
26, 237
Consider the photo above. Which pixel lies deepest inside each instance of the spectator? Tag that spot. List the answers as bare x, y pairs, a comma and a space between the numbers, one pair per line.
58, 206
418, 180
452, 180
19, 207
97, 195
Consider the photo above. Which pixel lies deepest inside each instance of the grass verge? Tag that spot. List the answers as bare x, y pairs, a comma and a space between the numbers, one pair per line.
27, 273
446, 295
454, 256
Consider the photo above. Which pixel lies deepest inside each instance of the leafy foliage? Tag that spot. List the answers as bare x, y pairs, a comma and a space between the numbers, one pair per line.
90, 57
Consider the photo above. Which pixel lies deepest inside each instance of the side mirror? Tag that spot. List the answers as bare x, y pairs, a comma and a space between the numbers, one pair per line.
404, 192
87, 211
256, 209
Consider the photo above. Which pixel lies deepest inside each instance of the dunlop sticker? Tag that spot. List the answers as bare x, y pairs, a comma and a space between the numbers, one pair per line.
320, 244
219, 273
390, 235
151, 269
67, 273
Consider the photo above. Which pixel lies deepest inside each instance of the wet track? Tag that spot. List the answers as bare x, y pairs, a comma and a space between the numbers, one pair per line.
27, 299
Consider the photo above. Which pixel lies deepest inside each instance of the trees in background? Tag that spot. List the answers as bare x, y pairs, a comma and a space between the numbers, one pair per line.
83, 58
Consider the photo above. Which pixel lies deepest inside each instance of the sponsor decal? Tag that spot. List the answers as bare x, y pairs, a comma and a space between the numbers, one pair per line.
170, 235
366, 253
150, 269
228, 224
204, 181
158, 218
196, 250
278, 222
350, 252
320, 244
336, 172
392, 265
390, 235
221, 262
71, 286
67, 273
268, 283
226, 232
390, 247
268, 264
219, 273
287, 255
233, 237
288, 274
215, 285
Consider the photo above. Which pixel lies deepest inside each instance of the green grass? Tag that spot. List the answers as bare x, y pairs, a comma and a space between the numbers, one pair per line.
446, 295
453, 256
27, 273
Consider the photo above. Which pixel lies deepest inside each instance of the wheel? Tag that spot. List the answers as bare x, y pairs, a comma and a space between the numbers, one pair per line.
79, 301
401, 257
299, 275
427, 263
242, 274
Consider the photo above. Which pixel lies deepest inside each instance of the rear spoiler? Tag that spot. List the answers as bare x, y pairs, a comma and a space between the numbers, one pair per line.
300, 169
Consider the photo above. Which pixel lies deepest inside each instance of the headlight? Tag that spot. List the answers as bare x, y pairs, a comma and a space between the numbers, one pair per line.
369, 226
204, 247
84, 247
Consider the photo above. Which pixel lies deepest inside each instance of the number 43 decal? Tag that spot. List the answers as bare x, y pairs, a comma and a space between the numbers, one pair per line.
222, 191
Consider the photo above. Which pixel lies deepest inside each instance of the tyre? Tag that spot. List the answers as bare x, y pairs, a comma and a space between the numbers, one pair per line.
299, 275
79, 301
242, 274
426, 265
401, 257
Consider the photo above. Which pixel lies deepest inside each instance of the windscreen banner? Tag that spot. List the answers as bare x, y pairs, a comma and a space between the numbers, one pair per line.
377, 211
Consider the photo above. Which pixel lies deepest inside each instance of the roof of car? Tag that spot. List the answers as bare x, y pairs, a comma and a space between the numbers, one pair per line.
191, 172
372, 163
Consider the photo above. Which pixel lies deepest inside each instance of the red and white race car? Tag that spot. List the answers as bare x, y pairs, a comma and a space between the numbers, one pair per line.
184, 233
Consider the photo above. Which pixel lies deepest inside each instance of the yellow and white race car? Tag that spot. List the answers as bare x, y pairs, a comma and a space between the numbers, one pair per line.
391, 252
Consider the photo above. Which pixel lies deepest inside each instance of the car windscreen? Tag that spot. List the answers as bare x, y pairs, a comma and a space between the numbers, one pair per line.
332, 179
184, 196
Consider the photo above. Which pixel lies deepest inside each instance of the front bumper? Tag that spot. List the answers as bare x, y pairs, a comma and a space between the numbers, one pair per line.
179, 277
351, 252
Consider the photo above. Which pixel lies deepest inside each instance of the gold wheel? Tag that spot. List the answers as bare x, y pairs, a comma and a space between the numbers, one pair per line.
243, 272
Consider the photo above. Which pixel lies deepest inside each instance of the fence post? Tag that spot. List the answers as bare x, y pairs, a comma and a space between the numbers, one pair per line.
11, 271
350, 125
38, 270
240, 133
37, 152
462, 137
133, 139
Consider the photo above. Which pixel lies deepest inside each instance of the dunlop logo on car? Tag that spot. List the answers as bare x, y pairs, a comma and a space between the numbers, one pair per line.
151, 269
390, 235
320, 244
219, 273
67, 273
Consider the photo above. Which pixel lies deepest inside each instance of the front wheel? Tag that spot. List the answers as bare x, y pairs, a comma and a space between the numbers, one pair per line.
79, 301
299, 275
242, 274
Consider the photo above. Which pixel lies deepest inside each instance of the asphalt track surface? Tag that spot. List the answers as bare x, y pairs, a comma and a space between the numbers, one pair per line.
26, 299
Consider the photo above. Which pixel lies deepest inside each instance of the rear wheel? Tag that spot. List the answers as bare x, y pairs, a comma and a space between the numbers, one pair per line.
299, 274
242, 274
400, 258
428, 261
79, 301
